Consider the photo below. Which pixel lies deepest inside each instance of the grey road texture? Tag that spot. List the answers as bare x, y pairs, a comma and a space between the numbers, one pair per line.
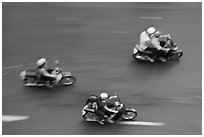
94, 41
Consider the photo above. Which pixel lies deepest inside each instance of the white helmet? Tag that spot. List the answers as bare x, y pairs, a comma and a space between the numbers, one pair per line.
104, 96
41, 61
151, 30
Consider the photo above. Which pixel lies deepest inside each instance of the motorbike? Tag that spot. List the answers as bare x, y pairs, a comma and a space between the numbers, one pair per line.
31, 77
124, 114
174, 52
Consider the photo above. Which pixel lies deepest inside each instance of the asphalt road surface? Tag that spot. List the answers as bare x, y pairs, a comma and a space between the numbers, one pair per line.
94, 41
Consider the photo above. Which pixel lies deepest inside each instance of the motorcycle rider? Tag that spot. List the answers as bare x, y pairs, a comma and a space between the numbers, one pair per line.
149, 43
104, 106
92, 105
44, 72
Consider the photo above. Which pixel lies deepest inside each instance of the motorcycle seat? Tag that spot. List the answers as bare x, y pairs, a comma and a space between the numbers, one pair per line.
142, 51
32, 73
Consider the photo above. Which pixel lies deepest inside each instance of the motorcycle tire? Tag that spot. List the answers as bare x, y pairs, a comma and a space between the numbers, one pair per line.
176, 55
69, 80
129, 114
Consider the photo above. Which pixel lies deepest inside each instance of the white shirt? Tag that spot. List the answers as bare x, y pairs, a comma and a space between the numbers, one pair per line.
144, 38
155, 42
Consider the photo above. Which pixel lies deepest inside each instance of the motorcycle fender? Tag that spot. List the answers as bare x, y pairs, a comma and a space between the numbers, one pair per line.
135, 50
22, 75
131, 109
67, 74
58, 78
83, 112
176, 48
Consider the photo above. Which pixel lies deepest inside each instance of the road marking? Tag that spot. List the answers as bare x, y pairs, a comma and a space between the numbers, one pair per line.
12, 118
141, 123
12, 67
119, 32
155, 18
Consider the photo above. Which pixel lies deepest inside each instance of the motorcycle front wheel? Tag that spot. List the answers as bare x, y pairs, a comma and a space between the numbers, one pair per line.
129, 114
176, 55
69, 80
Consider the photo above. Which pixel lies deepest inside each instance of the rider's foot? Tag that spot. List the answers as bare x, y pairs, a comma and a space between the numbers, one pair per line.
49, 85
101, 122
162, 59
150, 59
110, 121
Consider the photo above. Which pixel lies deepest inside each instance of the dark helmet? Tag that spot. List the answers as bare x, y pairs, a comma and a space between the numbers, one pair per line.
93, 98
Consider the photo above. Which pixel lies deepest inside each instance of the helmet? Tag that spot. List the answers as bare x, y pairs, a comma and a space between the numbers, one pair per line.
104, 96
151, 30
92, 98
41, 62
157, 33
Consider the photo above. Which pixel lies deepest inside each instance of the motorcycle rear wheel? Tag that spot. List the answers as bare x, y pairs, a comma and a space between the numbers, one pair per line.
90, 116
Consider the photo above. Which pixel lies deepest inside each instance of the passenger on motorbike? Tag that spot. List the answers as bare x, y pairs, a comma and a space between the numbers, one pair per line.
149, 43
105, 107
44, 72
92, 105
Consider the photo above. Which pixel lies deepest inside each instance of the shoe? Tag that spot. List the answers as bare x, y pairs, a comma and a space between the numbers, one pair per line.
101, 122
49, 86
150, 59
162, 59
111, 121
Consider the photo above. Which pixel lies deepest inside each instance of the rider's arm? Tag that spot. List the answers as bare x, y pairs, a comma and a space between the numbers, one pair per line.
111, 97
110, 110
155, 43
45, 73
89, 108
165, 36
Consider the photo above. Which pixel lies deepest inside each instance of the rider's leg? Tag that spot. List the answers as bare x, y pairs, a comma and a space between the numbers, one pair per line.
111, 116
153, 52
100, 115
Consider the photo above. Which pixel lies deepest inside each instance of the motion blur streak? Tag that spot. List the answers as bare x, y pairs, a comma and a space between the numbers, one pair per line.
12, 118
78, 35
141, 123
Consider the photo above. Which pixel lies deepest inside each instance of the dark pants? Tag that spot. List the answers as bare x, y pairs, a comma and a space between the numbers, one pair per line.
155, 53
45, 78
100, 114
